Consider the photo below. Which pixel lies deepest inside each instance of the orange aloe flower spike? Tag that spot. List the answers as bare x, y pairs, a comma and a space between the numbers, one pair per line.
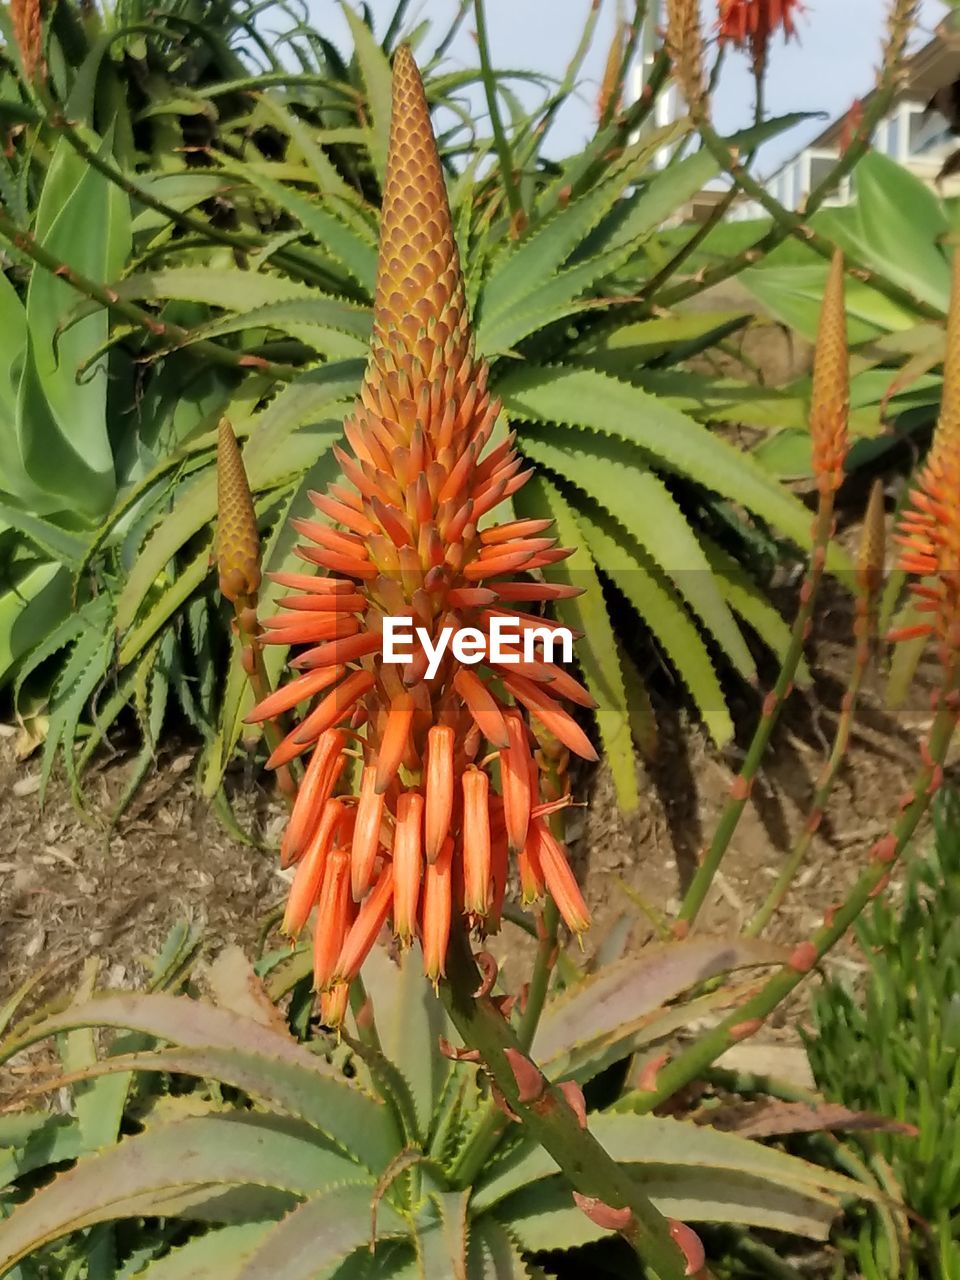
421, 471
929, 527
27, 21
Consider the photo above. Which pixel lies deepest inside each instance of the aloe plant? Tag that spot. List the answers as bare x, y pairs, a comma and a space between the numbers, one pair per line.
272, 302
204, 1138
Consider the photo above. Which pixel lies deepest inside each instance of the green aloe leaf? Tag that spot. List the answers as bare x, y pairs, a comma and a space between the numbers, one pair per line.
254, 1057
171, 1170
80, 676
314, 1240
901, 225
409, 1020
627, 566
442, 1248
521, 269
747, 599
255, 297
33, 608
494, 1254
605, 1007
598, 654
319, 323
794, 295
43, 1141
690, 1171
99, 1103
62, 425
647, 510
219, 1253
301, 402
592, 400
377, 79
331, 233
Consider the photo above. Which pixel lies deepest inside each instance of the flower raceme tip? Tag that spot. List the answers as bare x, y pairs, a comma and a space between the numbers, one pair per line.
928, 529
415, 663
751, 23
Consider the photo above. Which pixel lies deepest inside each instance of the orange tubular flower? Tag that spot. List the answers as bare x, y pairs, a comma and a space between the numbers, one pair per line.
403, 539
752, 22
929, 528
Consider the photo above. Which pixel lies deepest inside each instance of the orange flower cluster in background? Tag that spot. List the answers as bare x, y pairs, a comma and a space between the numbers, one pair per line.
929, 528
753, 22
447, 783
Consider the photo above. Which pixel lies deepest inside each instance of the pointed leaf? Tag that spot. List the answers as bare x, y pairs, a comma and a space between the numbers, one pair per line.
648, 511
442, 1249
723, 1179
218, 1253
625, 563
586, 398
409, 1020
377, 79
599, 658
603, 1004
159, 1172
311, 1242
62, 424
251, 1055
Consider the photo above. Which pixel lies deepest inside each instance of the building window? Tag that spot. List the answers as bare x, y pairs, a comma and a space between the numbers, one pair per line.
916, 125
820, 169
894, 134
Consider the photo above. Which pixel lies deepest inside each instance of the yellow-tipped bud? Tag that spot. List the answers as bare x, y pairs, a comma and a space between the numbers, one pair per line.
873, 542
27, 23
238, 543
611, 87
830, 401
685, 42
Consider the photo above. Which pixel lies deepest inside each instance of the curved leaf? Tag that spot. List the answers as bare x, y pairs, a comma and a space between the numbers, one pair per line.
690, 1172
62, 425
244, 1052
648, 511
219, 1253
599, 1007
599, 659
173, 1170
311, 1242
593, 400
626, 565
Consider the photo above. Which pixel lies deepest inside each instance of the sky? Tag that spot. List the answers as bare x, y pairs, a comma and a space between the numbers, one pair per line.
830, 65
